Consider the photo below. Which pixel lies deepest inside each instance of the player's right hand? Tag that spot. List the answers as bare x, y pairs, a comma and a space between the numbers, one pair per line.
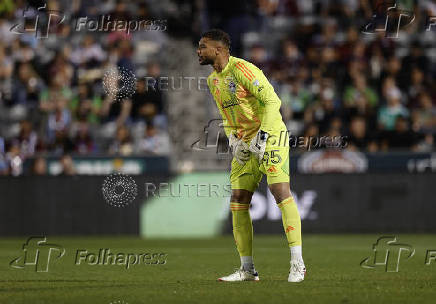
239, 149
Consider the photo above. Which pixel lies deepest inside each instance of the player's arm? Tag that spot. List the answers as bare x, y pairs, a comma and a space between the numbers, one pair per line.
257, 84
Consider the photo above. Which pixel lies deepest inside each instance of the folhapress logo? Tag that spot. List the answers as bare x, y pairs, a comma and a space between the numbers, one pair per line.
38, 253
389, 18
39, 22
43, 21
387, 252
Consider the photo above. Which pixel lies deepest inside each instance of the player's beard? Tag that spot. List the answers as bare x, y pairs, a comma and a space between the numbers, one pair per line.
205, 61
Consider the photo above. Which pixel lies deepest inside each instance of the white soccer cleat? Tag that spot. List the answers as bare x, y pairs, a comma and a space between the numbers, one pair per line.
297, 271
240, 275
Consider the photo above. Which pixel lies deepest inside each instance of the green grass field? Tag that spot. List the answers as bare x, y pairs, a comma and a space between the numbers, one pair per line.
189, 276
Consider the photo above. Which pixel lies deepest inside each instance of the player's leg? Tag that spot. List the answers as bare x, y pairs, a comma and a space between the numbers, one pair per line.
276, 167
242, 226
290, 216
244, 180
292, 226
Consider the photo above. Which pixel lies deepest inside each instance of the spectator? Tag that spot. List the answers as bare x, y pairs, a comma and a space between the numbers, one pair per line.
67, 165
324, 107
258, 56
424, 117
13, 159
3, 163
83, 142
388, 114
402, 137
146, 95
59, 120
295, 98
360, 95
89, 54
39, 166
358, 138
416, 87
27, 139
26, 86
61, 143
154, 141
6, 70
122, 145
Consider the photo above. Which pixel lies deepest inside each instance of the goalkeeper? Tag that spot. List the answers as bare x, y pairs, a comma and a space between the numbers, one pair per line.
260, 145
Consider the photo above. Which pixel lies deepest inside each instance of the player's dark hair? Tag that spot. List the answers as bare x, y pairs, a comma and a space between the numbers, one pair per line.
218, 35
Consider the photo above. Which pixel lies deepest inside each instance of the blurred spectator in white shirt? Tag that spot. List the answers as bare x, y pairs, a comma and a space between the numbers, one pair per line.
154, 141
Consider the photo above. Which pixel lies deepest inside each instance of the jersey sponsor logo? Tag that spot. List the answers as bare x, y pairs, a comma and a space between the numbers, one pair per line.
256, 82
230, 103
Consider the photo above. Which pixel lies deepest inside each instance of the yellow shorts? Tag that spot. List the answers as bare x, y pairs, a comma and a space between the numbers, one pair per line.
275, 165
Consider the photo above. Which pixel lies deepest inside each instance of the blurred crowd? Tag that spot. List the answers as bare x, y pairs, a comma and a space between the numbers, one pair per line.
52, 99
335, 80
332, 79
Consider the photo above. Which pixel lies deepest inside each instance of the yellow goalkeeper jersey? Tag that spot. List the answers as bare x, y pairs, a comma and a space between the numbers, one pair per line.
245, 99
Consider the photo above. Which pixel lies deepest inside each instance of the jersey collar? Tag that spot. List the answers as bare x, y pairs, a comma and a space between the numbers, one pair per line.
228, 65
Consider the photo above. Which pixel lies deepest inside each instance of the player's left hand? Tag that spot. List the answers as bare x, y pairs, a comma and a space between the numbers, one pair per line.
258, 144
239, 149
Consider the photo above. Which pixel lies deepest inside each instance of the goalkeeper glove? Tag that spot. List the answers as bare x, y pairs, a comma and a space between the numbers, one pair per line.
239, 149
258, 144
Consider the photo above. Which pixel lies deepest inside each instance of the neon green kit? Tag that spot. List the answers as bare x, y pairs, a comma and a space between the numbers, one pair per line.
247, 102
